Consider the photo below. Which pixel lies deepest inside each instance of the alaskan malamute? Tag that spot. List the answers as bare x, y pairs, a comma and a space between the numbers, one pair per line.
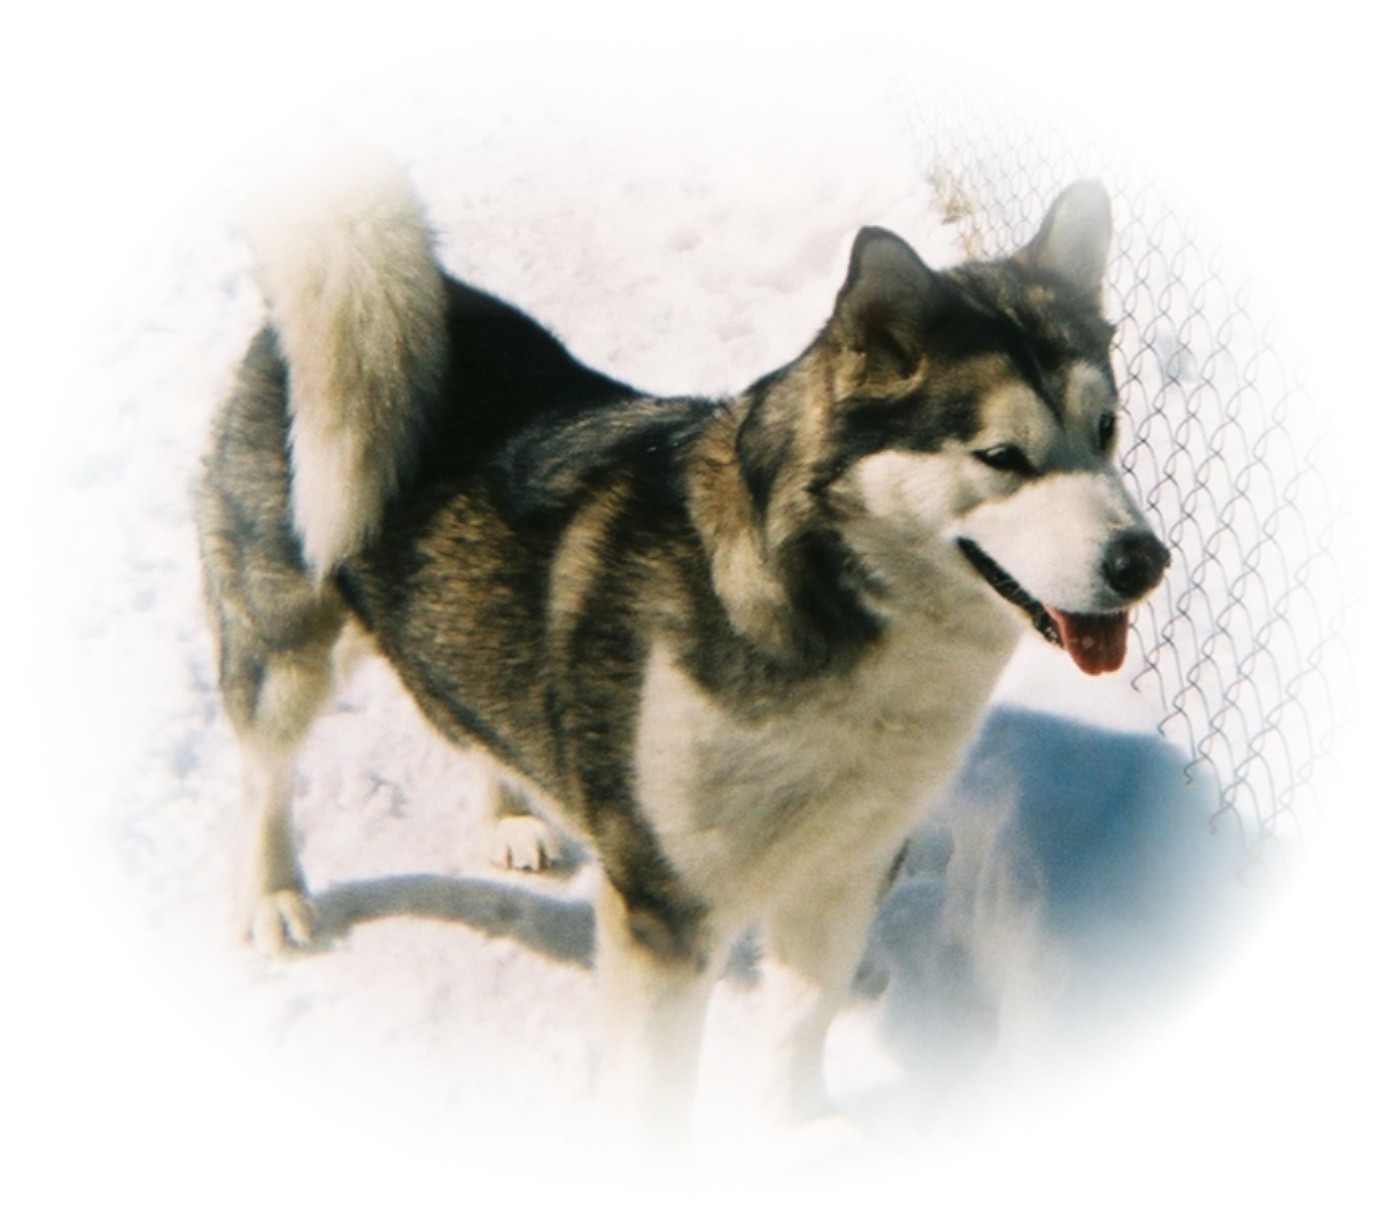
737, 646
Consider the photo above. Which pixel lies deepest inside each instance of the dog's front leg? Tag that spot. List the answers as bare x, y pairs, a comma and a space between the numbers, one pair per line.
813, 941
655, 968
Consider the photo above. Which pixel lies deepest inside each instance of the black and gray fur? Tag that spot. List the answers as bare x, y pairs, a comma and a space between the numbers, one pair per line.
645, 608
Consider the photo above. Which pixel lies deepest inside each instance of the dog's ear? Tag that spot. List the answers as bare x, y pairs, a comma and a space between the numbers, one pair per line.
887, 300
1072, 242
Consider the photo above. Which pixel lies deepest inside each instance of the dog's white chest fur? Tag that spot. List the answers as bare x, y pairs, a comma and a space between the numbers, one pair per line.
747, 808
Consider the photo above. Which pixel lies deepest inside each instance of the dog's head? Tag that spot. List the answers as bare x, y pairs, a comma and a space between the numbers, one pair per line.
976, 409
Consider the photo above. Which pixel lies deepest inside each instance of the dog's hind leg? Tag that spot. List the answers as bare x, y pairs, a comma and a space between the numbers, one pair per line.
276, 625
273, 692
276, 910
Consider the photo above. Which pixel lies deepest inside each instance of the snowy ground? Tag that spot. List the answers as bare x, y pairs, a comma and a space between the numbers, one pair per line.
1068, 904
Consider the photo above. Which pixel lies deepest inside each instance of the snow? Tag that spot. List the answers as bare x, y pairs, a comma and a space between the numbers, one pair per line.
442, 1038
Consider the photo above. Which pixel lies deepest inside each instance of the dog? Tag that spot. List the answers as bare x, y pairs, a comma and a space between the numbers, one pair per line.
736, 646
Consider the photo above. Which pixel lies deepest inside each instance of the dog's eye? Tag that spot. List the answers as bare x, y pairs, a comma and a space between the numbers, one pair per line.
1106, 431
1006, 457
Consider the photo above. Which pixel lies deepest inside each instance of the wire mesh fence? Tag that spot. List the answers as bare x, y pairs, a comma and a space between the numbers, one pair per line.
1243, 645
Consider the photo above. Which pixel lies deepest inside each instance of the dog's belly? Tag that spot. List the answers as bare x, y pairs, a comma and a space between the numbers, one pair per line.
747, 810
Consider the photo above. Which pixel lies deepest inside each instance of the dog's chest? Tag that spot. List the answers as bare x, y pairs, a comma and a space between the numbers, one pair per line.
837, 778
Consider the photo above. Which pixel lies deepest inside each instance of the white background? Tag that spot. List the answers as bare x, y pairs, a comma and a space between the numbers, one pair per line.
117, 119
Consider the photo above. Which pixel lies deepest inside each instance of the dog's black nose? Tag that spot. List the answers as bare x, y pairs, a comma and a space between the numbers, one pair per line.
1134, 563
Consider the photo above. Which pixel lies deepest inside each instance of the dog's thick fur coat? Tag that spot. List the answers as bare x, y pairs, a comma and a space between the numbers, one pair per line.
737, 646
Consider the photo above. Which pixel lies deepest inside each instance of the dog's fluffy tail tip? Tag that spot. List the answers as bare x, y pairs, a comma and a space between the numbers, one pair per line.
354, 292
351, 195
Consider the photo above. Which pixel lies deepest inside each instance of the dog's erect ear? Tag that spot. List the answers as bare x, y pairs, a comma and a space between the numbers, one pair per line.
1072, 242
889, 297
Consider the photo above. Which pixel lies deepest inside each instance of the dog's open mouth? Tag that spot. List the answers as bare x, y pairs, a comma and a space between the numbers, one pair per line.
1095, 642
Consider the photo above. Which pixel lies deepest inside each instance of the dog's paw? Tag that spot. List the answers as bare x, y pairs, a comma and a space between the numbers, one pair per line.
281, 921
833, 1137
822, 1146
524, 842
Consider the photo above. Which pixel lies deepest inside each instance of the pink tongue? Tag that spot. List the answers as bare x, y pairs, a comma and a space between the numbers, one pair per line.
1095, 642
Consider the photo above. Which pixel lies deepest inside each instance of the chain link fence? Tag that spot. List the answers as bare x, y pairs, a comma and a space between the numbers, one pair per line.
1243, 643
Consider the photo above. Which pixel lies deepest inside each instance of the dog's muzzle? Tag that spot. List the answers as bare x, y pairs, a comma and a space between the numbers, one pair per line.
1132, 565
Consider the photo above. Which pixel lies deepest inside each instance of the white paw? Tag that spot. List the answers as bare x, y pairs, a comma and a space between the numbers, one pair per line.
524, 842
281, 921
822, 1146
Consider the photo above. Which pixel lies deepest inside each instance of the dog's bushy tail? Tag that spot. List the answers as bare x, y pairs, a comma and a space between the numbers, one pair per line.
345, 259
